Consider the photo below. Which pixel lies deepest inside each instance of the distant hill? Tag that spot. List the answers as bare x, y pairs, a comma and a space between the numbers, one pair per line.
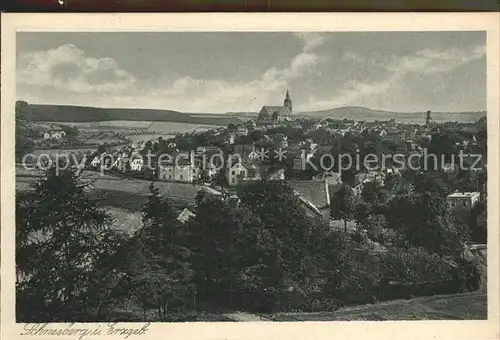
70, 113
348, 112
363, 113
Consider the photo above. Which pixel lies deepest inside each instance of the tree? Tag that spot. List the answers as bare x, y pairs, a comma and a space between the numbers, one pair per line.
24, 130
61, 238
164, 256
343, 204
102, 148
220, 177
228, 247
284, 220
204, 178
71, 131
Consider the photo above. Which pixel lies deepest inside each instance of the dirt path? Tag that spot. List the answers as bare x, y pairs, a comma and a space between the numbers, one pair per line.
244, 317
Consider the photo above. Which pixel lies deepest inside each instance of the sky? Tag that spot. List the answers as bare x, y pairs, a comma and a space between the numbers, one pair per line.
217, 72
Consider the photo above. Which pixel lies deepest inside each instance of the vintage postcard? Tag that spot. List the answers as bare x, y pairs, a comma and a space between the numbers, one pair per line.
250, 176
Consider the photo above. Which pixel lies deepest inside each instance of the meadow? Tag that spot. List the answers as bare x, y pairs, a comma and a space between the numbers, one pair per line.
136, 131
464, 306
123, 198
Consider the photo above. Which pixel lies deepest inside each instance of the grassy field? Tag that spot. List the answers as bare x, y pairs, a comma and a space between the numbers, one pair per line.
468, 306
137, 131
120, 124
122, 198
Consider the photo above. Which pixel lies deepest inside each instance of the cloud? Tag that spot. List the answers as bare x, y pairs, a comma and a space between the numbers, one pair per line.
190, 94
67, 68
424, 62
311, 39
429, 61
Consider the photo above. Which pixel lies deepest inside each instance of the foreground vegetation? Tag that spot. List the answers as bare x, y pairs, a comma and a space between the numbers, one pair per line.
469, 306
263, 256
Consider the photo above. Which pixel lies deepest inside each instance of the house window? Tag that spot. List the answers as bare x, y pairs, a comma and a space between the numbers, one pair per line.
181, 176
169, 176
243, 173
464, 203
233, 172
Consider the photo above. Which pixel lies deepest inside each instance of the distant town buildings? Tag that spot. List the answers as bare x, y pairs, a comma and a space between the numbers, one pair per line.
54, 135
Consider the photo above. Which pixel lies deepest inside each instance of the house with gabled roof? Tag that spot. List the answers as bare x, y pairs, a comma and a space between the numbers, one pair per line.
241, 169
314, 197
136, 162
179, 168
185, 215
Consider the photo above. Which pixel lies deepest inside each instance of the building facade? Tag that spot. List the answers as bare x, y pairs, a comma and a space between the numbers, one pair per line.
276, 114
462, 200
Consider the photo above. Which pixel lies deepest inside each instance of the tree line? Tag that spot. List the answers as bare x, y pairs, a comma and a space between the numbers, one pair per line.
261, 255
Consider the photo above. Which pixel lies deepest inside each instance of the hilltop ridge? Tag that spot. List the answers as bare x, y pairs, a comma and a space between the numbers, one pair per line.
75, 113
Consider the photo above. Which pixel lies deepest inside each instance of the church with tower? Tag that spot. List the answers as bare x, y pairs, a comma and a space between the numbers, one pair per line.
276, 114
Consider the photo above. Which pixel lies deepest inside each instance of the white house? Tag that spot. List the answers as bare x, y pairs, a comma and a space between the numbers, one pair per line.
54, 135
58, 134
185, 215
254, 154
241, 131
95, 162
136, 163
463, 200
178, 169
240, 171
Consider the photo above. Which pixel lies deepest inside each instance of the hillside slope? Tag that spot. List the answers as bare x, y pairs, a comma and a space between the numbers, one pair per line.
70, 113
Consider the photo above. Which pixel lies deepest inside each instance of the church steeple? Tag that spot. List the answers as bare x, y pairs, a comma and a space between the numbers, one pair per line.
287, 102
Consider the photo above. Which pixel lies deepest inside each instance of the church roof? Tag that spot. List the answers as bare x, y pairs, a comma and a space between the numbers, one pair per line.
280, 110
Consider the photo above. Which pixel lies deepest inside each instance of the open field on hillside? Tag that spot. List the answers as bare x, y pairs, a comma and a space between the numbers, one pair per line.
171, 128
110, 124
123, 198
116, 131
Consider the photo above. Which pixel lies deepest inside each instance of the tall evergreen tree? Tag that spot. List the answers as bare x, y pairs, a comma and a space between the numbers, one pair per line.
163, 252
61, 237
343, 205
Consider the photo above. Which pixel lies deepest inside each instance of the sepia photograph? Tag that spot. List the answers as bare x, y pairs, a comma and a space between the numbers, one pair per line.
249, 176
